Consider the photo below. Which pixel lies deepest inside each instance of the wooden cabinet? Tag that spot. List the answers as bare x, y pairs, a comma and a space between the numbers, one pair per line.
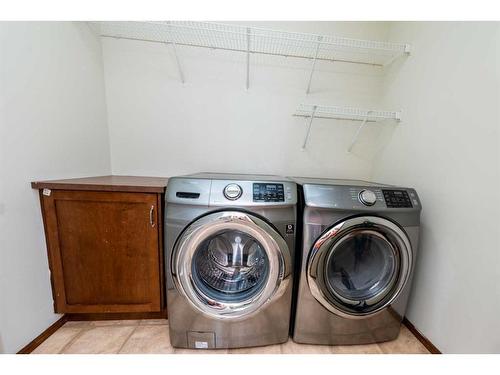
104, 242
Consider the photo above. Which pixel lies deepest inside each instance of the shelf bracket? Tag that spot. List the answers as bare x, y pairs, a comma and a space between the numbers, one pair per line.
179, 67
248, 59
320, 38
358, 132
311, 118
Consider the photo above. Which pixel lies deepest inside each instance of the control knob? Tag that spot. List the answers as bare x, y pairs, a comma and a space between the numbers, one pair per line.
233, 191
367, 197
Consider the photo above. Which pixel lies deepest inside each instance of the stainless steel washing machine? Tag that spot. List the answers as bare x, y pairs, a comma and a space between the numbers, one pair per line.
229, 245
360, 242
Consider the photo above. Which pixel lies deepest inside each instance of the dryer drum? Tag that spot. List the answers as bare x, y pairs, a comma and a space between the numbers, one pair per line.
362, 268
359, 266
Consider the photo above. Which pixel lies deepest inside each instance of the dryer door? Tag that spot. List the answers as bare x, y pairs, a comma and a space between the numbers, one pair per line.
229, 264
359, 266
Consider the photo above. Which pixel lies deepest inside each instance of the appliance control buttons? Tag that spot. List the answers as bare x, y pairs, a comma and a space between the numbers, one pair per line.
398, 199
367, 197
233, 191
269, 192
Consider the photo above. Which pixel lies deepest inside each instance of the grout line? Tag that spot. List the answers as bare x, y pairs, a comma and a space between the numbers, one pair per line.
113, 325
128, 338
73, 339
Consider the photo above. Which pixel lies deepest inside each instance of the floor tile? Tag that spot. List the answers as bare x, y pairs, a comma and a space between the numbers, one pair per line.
107, 339
152, 336
56, 342
148, 339
270, 349
357, 349
153, 321
406, 343
291, 347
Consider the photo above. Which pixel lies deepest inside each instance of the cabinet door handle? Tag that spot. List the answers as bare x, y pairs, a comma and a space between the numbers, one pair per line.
151, 217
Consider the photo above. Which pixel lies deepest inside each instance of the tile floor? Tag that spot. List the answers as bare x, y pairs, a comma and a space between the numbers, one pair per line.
151, 336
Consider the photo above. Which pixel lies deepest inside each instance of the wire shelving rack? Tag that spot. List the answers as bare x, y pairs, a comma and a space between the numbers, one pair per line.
252, 40
312, 111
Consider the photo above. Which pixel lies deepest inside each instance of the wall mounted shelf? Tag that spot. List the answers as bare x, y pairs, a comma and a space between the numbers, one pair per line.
312, 111
252, 40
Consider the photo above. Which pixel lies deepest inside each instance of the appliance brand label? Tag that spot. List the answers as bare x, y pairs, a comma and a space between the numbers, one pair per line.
290, 229
201, 345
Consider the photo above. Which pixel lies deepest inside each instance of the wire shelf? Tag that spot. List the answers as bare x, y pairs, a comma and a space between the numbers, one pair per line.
255, 40
345, 113
312, 111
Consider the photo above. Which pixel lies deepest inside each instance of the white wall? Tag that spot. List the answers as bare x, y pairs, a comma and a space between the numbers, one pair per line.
53, 125
160, 127
447, 147
52, 104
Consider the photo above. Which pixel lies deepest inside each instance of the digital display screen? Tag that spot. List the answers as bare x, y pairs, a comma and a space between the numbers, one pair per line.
268, 192
397, 199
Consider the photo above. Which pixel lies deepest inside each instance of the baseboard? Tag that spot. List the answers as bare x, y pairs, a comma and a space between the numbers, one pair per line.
118, 316
43, 336
424, 340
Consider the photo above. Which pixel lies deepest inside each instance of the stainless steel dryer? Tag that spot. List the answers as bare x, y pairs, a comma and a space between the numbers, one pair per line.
360, 242
229, 245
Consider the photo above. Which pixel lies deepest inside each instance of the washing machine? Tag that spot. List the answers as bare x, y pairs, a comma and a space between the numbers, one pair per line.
360, 243
229, 253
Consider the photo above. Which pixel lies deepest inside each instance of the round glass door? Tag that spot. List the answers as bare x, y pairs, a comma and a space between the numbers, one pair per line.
229, 264
362, 268
359, 266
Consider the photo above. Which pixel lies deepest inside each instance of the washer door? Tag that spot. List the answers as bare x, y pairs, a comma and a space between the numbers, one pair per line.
359, 266
229, 264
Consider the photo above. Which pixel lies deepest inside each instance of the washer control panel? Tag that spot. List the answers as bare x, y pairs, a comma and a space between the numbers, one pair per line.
231, 192
268, 192
397, 198
252, 193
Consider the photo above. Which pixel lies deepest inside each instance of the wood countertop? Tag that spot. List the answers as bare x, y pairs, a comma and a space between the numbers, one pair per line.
135, 184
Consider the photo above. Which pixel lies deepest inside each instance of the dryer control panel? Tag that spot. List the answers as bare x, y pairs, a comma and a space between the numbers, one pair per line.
363, 198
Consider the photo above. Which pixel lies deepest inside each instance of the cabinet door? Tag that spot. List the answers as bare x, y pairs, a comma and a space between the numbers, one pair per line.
103, 251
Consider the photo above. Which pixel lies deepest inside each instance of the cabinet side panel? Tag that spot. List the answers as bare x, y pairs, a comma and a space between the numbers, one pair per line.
159, 217
53, 251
